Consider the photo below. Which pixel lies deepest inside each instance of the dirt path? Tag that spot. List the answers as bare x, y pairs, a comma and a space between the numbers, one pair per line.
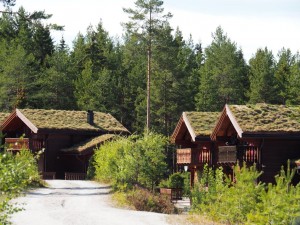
77, 202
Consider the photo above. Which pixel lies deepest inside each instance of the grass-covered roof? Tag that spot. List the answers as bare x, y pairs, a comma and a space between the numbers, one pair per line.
202, 122
72, 120
267, 118
89, 144
3, 116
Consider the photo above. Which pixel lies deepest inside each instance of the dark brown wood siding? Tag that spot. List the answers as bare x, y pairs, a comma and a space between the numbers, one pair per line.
275, 153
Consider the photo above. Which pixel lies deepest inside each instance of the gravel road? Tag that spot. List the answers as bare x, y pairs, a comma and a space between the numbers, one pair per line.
77, 202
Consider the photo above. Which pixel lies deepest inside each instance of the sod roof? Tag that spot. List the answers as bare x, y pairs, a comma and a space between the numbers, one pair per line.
72, 120
3, 116
202, 122
267, 118
90, 144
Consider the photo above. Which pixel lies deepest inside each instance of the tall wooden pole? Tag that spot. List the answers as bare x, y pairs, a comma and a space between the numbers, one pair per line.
149, 54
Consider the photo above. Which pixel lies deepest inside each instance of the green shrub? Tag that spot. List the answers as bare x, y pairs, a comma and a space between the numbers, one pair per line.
17, 172
175, 180
279, 203
243, 200
135, 160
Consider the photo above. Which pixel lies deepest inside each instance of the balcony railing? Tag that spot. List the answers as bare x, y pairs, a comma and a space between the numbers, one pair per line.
17, 144
193, 156
251, 154
244, 153
227, 154
184, 156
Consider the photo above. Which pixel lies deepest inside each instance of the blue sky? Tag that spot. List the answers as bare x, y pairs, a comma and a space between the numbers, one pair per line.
252, 24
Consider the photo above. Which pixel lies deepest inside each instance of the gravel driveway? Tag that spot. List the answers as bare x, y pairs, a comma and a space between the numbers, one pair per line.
78, 202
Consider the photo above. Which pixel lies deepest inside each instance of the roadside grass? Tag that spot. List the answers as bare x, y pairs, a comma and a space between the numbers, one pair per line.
120, 200
190, 220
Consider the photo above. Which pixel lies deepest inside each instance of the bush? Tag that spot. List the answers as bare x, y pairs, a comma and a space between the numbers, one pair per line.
144, 200
17, 172
128, 161
243, 200
175, 180
279, 203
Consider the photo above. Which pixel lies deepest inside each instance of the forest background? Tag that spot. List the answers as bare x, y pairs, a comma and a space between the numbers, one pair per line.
110, 75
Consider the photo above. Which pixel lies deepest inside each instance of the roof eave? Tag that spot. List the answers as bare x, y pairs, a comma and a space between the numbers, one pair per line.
234, 121
189, 127
27, 122
282, 135
203, 138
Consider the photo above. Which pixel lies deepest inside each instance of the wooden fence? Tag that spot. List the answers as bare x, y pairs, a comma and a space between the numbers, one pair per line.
75, 176
48, 175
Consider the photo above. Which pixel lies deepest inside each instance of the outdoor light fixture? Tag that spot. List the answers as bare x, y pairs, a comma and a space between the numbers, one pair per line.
185, 168
298, 169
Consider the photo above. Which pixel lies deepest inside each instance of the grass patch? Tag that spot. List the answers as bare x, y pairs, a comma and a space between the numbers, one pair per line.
73, 120
120, 200
267, 118
203, 122
190, 220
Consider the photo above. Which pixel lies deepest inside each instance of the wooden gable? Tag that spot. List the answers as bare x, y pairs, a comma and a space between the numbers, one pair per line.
15, 121
181, 133
226, 125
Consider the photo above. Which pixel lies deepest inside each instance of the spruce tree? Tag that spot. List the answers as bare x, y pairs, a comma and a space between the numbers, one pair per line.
224, 76
261, 76
283, 74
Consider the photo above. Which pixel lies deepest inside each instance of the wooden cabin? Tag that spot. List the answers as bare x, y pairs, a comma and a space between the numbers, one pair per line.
267, 135
67, 138
192, 138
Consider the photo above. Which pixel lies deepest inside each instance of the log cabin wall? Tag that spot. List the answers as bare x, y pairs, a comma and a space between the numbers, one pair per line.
59, 163
54, 143
275, 153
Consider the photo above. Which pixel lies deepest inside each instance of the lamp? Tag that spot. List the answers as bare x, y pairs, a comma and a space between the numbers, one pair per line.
185, 168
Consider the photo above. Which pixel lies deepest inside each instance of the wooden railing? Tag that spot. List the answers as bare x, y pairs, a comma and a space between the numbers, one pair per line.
193, 156
227, 154
16, 144
201, 156
48, 175
184, 156
251, 154
75, 176
243, 153
173, 193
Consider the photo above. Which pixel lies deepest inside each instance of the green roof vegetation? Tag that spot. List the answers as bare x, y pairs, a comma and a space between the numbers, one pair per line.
3, 116
72, 120
203, 122
267, 118
89, 144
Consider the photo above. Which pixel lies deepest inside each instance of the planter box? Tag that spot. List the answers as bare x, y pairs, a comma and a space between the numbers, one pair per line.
173, 193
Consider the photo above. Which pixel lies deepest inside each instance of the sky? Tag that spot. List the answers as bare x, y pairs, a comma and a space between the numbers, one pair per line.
251, 24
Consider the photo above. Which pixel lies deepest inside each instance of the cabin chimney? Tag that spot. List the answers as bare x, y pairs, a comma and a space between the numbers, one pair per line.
90, 117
